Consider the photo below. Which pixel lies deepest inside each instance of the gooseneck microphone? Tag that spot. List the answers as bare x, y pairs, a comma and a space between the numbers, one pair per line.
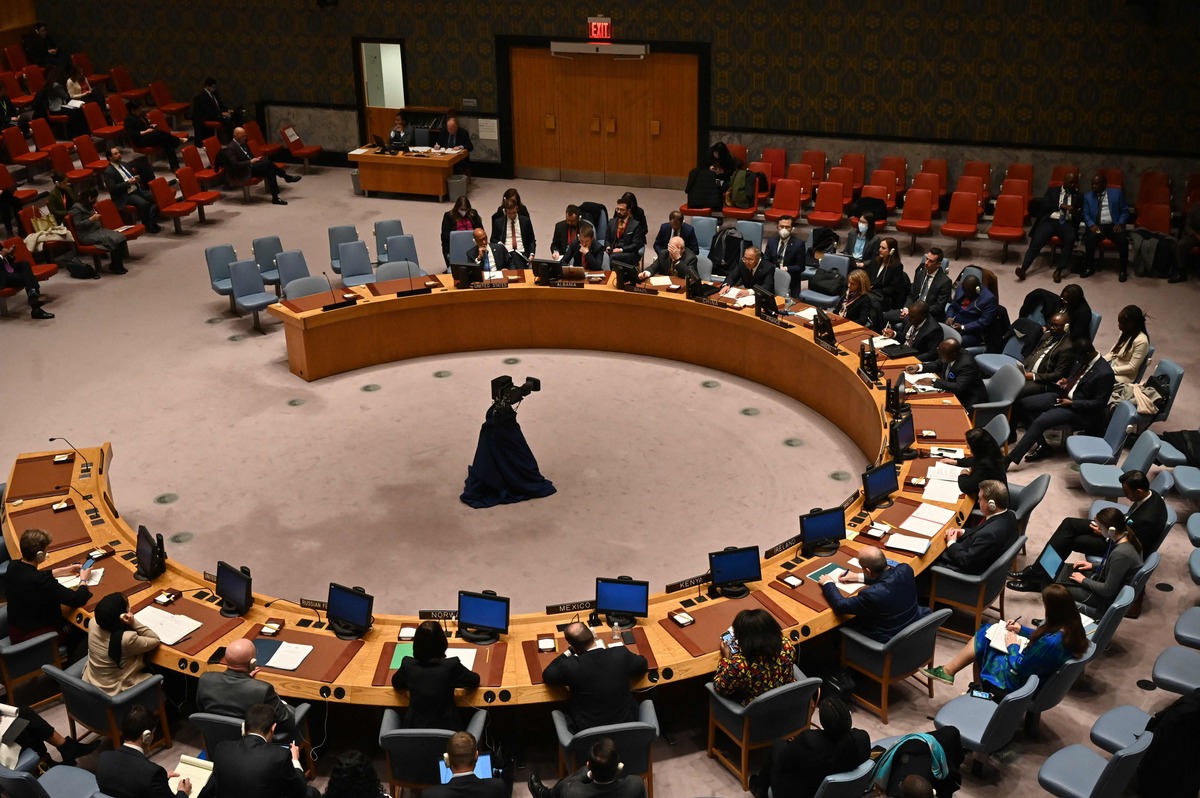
329, 283
84, 460
87, 497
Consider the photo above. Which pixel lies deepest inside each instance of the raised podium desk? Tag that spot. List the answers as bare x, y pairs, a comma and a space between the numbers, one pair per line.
405, 173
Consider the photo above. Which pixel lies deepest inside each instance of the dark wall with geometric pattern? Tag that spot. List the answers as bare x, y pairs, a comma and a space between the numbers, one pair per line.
1077, 74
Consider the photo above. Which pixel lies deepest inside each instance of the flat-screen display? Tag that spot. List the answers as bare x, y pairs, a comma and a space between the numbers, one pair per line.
735, 566
481, 611
903, 435
149, 558
879, 483
622, 597
234, 588
823, 526
349, 607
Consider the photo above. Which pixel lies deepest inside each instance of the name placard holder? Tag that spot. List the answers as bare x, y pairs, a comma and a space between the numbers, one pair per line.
438, 615
571, 606
684, 584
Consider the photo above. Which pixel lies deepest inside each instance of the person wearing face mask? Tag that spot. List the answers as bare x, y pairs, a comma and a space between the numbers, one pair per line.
1051, 359
886, 605
861, 243
889, 284
1095, 590
460, 217
784, 251
955, 372
929, 284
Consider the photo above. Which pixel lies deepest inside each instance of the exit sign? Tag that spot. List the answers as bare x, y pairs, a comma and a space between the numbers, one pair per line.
599, 29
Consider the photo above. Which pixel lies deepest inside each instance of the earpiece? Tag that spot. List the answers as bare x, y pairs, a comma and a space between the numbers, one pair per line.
446, 759
147, 738
991, 505
41, 556
1112, 531
978, 290
243, 728
253, 663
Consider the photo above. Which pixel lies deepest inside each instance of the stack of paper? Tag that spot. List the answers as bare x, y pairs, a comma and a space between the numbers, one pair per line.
660, 281
288, 656
908, 543
808, 314
189, 767
996, 636
881, 341
917, 379
941, 490
465, 655
169, 627
944, 471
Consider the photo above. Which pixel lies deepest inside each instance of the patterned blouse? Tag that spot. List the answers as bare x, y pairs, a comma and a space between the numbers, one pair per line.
743, 681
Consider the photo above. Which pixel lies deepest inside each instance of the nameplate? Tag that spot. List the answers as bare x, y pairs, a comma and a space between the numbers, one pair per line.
782, 547
571, 606
567, 284
637, 289
684, 584
703, 300
415, 291
345, 303
831, 348
777, 322
438, 615
210, 577
314, 604
490, 284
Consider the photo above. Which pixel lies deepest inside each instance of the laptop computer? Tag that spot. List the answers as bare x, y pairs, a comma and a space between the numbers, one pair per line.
1054, 566
382, 147
483, 768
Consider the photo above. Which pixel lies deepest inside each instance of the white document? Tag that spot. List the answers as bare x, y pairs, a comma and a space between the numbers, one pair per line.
930, 512
493, 274
808, 314
850, 588
996, 634
941, 490
920, 526
170, 628
465, 655
359, 151
944, 471
189, 767
289, 656
881, 341
746, 302
420, 149
488, 128
73, 582
660, 281
908, 543
75, 103
917, 379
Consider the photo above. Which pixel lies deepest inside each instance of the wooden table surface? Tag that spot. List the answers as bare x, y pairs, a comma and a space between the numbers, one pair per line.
405, 173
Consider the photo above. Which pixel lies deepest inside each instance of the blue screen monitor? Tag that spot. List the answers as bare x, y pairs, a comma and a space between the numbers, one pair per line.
879, 483
234, 588
901, 436
732, 568
349, 611
622, 600
821, 530
482, 617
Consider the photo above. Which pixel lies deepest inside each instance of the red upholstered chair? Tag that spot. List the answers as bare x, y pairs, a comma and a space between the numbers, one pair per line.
917, 215
18, 152
126, 88
982, 170
974, 185
43, 137
738, 151
929, 182
856, 162
775, 156
189, 187
1020, 171
82, 61
885, 179
1061, 171
258, 142
35, 78
1008, 223
24, 195
962, 221
12, 87
898, 165
85, 147
939, 167
787, 201
26, 216
157, 118
845, 176
169, 207
297, 147
60, 161
828, 211
764, 168
90, 250
1153, 195
1155, 216
161, 94
1114, 176
204, 176
732, 212
815, 159
689, 211
15, 55
1151, 185
1019, 187
802, 173
42, 271
110, 217
99, 126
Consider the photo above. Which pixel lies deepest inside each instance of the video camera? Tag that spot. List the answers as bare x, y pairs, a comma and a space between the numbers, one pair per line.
506, 394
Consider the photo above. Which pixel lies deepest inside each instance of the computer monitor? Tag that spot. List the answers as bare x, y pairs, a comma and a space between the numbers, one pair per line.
349, 611
234, 589
483, 768
868, 360
902, 434
466, 273
622, 600
482, 617
545, 270
731, 568
895, 401
821, 530
879, 483
823, 329
627, 275
765, 304
151, 557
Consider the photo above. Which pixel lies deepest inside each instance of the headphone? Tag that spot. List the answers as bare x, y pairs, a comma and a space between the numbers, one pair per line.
991, 505
620, 767
147, 738
979, 289
252, 664
41, 556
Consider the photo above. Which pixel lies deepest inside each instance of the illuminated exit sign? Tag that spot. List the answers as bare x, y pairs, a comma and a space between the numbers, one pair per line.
599, 29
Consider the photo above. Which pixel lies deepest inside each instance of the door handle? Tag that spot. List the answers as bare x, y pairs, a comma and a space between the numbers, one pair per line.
655, 127
595, 124
612, 125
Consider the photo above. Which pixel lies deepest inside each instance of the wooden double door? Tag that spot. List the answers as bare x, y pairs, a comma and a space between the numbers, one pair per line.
604, 119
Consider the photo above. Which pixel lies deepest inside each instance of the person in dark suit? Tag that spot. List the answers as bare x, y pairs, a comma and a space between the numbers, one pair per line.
585, 250
1079, 402
354, 776
783, 251
703, 188
1105, 215
859, 304
972, 551
1058, 215
752, 271
242, 165
929, 284
514, 232
36, 598
207, 106
1189, 234
233, 691
430, 678
126, 772
90, 230
956, 372
489, 256
19, 274
675, 261
676, 226
889, 284
601, 776
919, 331
973, 311
401, 135
253, 767
985, 462
598, 680
462, 752
453, 136
886, 605
1051, 359
41, 49
143, 134
125, 187
565, 232
626, 235
796, 767
1146, 518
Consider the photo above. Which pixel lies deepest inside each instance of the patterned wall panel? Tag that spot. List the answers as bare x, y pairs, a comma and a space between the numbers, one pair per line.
1022, 72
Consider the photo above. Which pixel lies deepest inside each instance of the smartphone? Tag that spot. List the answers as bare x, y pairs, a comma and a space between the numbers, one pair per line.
88, 563
730, 641
217, 656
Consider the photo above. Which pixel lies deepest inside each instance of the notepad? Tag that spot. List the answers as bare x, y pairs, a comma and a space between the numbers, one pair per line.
908, 543
73, 582
660, 281
829, 568
402, 650
288, 656
880, 341
941, 490
944, 471
917, 379
465, 655
921, 526
189, 767
931, 512
169, 627
996, 636
808, 314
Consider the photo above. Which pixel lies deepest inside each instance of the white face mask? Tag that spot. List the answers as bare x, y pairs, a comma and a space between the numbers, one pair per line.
462, 213
785, 232
862, 228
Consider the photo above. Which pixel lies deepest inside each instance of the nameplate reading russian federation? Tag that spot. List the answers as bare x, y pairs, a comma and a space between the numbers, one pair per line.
782, 547
438, 615
571, 606
314, 604
684, 584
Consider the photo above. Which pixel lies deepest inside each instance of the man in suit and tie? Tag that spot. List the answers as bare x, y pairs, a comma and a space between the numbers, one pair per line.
626, 235
454, 137
462, 752
233, 691
402, 134
1105, 215
597, 678
515, 232
675, 261
20, 275
565, 232
676, 226
973, 311
585, 250
919, 331
125, 187
1051, 359
208, 107
242, 165
751, 271
785, 252
490, 256
127, 772
930, 284
972, 551
1058, 215
253, 767
886, 605
955, 371
1079, 401
600, 777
